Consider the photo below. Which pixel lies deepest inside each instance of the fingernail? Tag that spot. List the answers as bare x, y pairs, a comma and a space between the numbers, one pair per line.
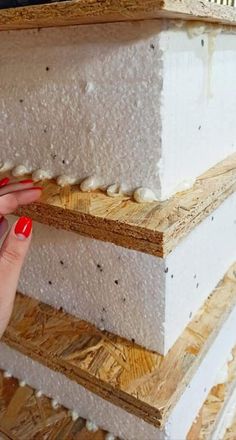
23, 228
4, 181
1, 219
26, 181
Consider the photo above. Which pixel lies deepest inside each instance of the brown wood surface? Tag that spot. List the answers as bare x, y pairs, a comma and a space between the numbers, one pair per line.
154, 228
213, 407
142, 382
97, 11
231, 432
23, 416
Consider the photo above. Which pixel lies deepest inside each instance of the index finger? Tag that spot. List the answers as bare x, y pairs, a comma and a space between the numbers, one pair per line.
10, 202
15, 185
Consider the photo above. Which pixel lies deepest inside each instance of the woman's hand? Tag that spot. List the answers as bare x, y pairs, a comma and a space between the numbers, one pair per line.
16, 244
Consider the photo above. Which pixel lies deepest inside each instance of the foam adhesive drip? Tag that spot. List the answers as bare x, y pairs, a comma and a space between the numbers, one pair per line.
20, 170
7, 375
91, 426
92, 183
38, 394
74, 415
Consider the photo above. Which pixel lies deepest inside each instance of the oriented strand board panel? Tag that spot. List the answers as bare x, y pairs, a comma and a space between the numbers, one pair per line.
215, 407
154, 228
84, 11
24, 416
231, 432
143, 383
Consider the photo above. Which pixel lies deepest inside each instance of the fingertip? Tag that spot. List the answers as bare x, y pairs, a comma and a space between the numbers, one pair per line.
28, 196
4, 182
35, 192
23, 228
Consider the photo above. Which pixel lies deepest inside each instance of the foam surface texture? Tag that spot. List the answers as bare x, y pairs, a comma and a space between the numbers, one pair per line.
141, 104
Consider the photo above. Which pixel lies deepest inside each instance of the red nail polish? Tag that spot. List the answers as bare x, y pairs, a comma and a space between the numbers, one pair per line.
26, 181
1, 219
23, 227
4, 181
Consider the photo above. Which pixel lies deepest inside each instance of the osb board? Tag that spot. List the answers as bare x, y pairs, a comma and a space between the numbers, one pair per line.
144, 383
231, 432
154, 228
214, 406
23, 416
97, 11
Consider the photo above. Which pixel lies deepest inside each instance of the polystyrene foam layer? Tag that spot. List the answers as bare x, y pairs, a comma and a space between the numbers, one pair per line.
130, 293
141, 104
195, 102
115, 419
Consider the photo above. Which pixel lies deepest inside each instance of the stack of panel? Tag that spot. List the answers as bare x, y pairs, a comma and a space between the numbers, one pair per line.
127, 308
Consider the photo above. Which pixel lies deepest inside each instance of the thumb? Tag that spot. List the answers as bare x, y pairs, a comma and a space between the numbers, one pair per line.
12, 255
